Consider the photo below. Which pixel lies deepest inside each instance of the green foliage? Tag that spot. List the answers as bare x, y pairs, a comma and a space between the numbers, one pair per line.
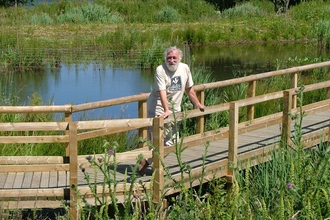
13, 59
9, 3
89, 13
106, 165
43, 19
152, 57
289, 185
322, 32
242, 11
167, 15
126, 28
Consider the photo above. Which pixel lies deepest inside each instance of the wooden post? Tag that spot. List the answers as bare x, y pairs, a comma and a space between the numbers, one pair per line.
294, 85
200, 119
158, 156
142, 108
233, 140
68, 118
73, 150
251, 93
286, 118
328, 89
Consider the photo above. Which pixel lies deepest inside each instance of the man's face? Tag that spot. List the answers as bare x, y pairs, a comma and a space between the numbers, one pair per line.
172, 60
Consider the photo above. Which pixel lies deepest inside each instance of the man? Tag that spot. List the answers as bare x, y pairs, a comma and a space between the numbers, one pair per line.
172, 80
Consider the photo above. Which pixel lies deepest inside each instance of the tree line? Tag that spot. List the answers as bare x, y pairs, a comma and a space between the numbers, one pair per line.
280, 6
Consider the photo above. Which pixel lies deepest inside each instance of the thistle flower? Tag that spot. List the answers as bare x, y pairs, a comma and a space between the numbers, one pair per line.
289, 185
83, 169
111, 152
90, 157
99, 159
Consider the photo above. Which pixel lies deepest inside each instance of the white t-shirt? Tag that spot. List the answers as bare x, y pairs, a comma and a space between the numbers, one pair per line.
174, 83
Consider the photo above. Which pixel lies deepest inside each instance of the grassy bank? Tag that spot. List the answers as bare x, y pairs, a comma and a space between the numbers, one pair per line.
130, 30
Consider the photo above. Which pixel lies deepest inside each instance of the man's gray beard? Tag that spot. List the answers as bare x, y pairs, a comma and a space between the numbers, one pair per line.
172, 68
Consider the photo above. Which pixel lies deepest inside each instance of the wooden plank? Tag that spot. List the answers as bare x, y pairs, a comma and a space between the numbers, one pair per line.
115, 124
260, 98
33, 139
120, 189
18, 180
27, 180
35, 109
44, 182
36, 179
16, 205
53, 180
120, 157
63, 180
24, 193
9, 180
3, 177
32, 168
31, 160
110, 102
34, 126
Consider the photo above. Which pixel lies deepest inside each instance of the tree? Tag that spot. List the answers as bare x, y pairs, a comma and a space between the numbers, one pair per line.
281, 6
10, 3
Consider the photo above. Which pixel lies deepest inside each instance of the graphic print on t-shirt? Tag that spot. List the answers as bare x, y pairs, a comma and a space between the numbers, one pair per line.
176, 84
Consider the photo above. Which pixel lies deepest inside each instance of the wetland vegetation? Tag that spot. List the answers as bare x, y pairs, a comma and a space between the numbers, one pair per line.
120, 32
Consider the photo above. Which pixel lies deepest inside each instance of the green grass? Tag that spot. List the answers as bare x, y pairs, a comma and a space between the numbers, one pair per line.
128, 27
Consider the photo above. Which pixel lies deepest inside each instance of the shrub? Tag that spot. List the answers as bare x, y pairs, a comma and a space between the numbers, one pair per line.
167, 15
243, 10
43, 19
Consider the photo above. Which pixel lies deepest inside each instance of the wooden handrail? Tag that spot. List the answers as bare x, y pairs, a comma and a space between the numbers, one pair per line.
70, 133
260, 76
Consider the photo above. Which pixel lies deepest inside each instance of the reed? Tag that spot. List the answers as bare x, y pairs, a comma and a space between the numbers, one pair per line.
129, 27
288, 186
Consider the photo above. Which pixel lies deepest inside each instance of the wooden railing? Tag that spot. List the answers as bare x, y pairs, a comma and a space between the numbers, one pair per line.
75, 131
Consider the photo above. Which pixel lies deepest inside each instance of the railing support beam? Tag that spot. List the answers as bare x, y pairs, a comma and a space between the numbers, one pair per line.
294, 84
251, 93
142, 113
158, 158
73, 149
68, 118
200, 119
286, 119
233, 139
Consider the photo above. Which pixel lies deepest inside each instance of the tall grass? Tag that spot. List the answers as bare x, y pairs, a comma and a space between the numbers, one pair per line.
131, 26
293, 185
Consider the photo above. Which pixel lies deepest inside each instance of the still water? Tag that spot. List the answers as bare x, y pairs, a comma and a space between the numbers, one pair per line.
78, 83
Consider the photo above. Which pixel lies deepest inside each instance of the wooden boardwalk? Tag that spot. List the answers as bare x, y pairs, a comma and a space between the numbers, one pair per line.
193, 156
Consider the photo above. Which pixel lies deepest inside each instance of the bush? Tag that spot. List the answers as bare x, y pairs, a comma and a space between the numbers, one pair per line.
43, 19
243, 10
167, 15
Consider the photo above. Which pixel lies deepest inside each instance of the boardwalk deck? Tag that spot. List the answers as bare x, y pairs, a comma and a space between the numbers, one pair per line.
216, 151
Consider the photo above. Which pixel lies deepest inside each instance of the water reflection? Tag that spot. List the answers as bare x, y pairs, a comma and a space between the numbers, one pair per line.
226, 60
91, 82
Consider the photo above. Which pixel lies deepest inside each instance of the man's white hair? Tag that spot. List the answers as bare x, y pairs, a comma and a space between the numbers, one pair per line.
170, 49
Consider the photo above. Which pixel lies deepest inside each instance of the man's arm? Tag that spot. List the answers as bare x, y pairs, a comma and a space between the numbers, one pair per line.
163, 99
193, 97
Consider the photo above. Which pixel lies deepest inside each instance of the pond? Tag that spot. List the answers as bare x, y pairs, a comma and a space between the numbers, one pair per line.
81, 83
